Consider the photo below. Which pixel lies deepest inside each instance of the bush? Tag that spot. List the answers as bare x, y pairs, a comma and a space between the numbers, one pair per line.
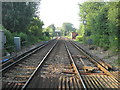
30, 38
23, 36
44, 38
79, 38
9, 45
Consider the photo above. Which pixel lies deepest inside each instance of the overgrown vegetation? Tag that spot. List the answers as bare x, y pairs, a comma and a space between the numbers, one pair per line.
20, 19
102, 23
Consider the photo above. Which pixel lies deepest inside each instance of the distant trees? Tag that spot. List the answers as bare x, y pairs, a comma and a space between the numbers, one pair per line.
50, 29
67, 28
102, 23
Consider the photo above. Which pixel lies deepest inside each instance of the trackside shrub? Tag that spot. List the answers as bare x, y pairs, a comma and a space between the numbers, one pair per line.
79, 38
9, 45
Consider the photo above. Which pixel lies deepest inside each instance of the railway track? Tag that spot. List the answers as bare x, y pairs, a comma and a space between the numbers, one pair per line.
63, 65
13, 60
18, 72
105, 67
95, 73
57, 70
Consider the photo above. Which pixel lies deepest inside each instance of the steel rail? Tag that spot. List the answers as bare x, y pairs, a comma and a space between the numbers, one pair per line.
104, 64
17, 56
39, 66
94, 61
23, 56
76, 69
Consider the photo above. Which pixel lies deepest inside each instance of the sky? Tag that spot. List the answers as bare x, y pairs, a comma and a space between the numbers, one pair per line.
59, 11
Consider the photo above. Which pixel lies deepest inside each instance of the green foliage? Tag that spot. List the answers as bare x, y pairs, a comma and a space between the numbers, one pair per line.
46, 38
16, 16
35, 27
9, 40
102, 23
67, 28
20, 19
113, 17
81, 30
23, 36
79, 38
51, 30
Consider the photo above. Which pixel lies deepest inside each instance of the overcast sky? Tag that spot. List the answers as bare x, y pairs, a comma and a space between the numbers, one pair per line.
59, 11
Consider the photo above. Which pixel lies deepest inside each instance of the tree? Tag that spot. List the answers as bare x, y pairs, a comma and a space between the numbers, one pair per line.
16, 16
67, 28
51, 30
102, 22
113, 24
35, 28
